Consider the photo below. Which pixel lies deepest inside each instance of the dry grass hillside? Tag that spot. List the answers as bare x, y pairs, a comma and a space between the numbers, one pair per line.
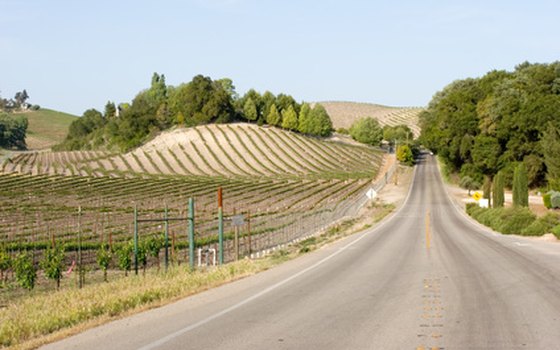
238, 150
344, 114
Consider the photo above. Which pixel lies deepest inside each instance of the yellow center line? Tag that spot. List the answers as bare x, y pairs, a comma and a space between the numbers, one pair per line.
428, 238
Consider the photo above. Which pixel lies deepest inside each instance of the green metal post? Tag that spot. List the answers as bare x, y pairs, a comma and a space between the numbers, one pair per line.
191, 233
135, 239
166, 240
220, 227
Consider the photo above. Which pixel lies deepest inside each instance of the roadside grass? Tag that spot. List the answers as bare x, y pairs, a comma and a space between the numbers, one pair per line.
45, 317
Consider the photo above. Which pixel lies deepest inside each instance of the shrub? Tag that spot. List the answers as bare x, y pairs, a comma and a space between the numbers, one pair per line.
515, 220
25, 271
104, 257
537, 228
5, 263
556, 231
555, 200
124, 258
547, 200
53, 263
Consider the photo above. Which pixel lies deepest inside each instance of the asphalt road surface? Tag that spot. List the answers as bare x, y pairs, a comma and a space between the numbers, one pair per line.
428, 278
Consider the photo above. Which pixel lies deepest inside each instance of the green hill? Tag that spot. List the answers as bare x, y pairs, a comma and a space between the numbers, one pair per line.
46, 127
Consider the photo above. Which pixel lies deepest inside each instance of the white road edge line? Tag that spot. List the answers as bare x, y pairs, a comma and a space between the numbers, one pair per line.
187, 329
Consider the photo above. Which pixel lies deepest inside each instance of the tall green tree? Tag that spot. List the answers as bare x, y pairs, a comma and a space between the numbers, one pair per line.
498, 190
110, 110
289, 118
319, 122
367, 130
303, 120
250, 110
551, 149
273, 117
487, 189
520, 186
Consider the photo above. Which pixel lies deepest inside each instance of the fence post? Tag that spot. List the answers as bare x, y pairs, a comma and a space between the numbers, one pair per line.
166, 239
80, 267
220, 226
135, 239
249, 230
191, 233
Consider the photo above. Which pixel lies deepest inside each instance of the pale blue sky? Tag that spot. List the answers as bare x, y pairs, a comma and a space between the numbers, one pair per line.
72, 55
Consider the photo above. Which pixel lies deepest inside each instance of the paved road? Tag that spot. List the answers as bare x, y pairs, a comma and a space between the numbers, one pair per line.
426, 279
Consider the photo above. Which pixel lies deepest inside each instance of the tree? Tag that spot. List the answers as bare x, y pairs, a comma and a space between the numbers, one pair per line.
104, 257
498, 190
485, 153
110, 110
520, 186
551, 150
202, 101
20, 98
53, 263
319, 123
487, 189
399, 133
250, 110
469, 184
13, 131
404, 155
303, 120
273, 117
367, 130
289, 118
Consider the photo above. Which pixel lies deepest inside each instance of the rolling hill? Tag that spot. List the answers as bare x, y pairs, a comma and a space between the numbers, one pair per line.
234, 150
46, 127
344, 114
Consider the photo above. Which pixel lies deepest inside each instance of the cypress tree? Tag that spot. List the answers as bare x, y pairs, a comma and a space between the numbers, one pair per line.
487, 189
520, 186
498, 190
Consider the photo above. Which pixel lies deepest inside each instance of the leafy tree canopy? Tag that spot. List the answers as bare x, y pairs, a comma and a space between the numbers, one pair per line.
480, 126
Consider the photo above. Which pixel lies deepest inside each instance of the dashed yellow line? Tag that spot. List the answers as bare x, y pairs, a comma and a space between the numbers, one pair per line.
428, 235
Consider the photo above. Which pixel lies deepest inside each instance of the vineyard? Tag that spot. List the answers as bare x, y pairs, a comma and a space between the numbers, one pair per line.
285, 185
230, 151
343, 114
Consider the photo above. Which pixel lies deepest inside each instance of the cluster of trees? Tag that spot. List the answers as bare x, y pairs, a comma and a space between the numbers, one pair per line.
19, 102
200, 101
484, 125
13, 130
367, 130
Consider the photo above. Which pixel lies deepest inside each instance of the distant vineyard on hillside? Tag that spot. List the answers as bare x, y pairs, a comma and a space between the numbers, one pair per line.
344, 114
239, 150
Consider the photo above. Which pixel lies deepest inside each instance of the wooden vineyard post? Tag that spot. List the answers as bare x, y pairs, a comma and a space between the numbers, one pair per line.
81, 277
191, 233
166, 239
135, 239
220, 227
249, 230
